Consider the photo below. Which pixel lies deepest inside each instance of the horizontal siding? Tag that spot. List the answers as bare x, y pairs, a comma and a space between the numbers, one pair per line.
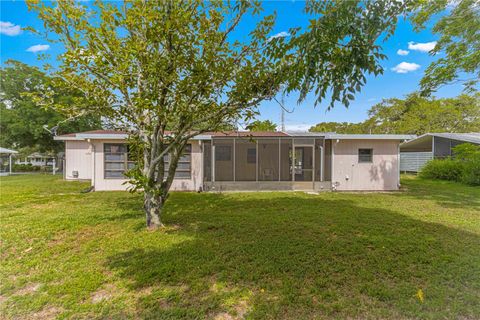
414, 161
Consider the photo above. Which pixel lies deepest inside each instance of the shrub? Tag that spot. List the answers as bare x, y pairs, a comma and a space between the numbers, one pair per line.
446, 169
24, 168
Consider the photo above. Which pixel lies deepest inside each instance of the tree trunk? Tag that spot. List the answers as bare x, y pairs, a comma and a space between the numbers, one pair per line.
153, 208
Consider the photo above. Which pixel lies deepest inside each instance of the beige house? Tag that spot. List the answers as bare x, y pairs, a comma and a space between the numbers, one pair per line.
223, 161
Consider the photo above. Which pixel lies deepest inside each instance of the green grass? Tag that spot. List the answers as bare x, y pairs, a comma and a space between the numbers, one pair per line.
67, 254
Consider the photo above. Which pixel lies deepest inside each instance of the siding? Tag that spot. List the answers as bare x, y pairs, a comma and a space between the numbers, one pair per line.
77, 158
414, 161
381, 174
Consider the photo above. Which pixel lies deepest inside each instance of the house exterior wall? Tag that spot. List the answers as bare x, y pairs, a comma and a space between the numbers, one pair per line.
104, 184
78, 158
380, 174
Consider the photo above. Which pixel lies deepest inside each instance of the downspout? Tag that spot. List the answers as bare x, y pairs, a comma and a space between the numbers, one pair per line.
92, 148
334, 183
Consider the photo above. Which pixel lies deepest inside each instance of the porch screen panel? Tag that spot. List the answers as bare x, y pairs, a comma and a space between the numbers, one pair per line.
207, 161
223, 159
318, 159
285, 159
268, 158
245, 159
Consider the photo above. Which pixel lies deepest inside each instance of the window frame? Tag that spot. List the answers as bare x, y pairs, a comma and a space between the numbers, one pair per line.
360, 160
251, 158
218, 153
186, 151
125, 161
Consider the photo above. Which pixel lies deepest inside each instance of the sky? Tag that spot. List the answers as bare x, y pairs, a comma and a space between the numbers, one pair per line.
407, 53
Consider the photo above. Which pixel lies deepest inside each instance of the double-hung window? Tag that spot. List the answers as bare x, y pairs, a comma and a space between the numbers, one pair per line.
116, 160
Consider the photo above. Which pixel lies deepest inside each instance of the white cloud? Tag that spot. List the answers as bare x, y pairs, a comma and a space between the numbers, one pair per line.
401, 52
9, 29
297, 127
38, 47
282, 34
422, 47
405, 67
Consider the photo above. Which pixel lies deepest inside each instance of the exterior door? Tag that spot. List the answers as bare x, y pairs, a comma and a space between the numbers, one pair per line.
303, 164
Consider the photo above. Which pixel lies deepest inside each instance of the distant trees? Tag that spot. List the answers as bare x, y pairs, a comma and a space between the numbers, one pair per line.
259, 125
22, 121
415, 115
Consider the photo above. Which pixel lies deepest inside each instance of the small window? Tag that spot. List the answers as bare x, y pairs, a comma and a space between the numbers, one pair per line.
251, 155
223, 153
365, 155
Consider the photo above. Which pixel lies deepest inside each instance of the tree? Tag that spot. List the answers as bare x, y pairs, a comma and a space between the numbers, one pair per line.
22, 122
169, 70
459, 42
415, 115
259, 125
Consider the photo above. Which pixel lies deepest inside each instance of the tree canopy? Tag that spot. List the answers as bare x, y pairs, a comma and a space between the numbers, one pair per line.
259, 125
23, 122
459, 44
415, 115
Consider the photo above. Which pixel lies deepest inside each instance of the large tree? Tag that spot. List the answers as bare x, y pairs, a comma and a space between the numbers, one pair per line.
24, 124
262, 125
169, 70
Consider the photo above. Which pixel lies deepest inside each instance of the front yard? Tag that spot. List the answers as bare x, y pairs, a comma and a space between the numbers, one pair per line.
412, 254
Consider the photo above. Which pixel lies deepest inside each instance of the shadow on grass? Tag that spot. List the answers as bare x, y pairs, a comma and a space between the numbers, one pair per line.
286, 256
445, 193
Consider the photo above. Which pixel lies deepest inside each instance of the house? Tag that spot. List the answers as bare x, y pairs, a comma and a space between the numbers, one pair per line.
222, 161
6, 161
36, 159
416, 152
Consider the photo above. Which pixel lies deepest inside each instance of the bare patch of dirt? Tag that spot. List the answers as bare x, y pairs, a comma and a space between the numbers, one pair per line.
103, 294
49, 312
28, 289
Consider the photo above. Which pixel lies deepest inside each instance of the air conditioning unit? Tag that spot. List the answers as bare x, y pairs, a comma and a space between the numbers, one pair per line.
75, 174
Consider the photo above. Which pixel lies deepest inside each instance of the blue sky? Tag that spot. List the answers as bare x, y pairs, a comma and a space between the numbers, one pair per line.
25, 47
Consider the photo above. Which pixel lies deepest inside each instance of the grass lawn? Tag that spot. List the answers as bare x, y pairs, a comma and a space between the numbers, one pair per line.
67, 254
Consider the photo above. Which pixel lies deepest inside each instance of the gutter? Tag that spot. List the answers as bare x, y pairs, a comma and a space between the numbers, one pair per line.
92, 147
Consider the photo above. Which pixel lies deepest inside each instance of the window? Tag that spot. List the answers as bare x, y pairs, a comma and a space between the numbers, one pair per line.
251, 155
184, 166
365, 155
223, 153
116, 160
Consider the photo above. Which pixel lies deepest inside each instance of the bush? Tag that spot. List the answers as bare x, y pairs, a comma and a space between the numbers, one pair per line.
24, 168
447, 169
464, 167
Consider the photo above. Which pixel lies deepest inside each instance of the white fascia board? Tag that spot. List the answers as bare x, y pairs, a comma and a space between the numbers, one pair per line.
115, 136
370, 136
60, 138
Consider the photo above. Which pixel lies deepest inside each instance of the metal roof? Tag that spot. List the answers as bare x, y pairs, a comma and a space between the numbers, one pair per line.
472, 137
7, 151
370, 136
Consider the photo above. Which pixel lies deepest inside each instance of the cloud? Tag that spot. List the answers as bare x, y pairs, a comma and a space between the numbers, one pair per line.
422, 47
38, 48
297, 127
282, 34
405, 67
401, 52
371, 99
9, 29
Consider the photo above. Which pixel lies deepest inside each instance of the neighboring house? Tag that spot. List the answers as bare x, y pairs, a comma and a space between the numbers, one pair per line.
224, 161
416, 152
6, 156
37, 160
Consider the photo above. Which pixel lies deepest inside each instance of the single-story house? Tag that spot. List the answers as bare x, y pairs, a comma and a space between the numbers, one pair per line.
416, 152
36, 159
6, 161
222, 161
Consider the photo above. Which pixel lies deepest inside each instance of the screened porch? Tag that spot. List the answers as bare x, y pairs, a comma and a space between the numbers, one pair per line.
266, 163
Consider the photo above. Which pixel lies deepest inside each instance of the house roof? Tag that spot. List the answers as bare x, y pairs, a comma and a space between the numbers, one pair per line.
121, 135
7, 151
472, 137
